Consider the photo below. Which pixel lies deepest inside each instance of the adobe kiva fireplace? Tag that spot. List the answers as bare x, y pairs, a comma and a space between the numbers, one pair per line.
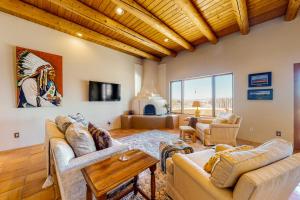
149, 105
148, 101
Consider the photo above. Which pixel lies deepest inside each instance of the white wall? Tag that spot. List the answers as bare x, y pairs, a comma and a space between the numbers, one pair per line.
150, 78
272, 46
82, 61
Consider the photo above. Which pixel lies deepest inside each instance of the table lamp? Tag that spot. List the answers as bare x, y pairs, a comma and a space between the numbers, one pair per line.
197, 105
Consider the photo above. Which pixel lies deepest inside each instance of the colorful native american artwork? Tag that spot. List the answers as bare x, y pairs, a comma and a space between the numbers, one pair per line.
39, 79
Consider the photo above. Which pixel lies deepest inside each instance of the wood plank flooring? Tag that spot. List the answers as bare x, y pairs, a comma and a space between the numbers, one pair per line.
23, 171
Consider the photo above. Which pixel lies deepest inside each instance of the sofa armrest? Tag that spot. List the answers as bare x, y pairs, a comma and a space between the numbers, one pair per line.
91, 158
224, 126
198, 176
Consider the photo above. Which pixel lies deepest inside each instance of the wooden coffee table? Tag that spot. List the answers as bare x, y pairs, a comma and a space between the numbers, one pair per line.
108, 174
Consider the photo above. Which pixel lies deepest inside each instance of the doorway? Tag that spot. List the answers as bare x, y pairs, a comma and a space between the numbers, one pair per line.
297, 106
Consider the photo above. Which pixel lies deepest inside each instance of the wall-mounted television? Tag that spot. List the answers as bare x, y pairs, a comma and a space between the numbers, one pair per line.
101, 91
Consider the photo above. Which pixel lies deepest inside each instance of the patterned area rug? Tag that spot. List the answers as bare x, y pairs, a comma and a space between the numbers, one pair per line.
149, 142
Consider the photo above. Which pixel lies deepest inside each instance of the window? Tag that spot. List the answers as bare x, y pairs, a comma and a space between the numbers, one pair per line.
175, 96
199, 89
223, 93
213, 92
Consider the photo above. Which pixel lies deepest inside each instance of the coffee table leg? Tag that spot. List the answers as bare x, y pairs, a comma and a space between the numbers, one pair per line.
135, 185
89, 195
152, 169
103, 197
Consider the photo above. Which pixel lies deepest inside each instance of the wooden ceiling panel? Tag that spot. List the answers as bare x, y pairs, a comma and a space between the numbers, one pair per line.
133, 23
219, 15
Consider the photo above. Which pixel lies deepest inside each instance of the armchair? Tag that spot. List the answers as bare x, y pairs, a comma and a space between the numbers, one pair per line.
211, 133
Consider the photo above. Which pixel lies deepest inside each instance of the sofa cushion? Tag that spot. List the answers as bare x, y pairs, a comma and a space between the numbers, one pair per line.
231, 166
201, 157
101, 137
80, 139
63, 122
208, 167
203, 128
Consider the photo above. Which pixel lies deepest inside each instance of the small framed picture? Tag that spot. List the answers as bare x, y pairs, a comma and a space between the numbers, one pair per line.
260, 94
260, 79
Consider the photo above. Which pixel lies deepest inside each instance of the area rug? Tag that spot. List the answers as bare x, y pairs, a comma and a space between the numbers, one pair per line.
149, 142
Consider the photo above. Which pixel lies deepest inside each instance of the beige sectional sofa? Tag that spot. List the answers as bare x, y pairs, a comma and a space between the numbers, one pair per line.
72, 185
187, 180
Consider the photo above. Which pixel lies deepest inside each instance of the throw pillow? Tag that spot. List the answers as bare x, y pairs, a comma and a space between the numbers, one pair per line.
208, 167
232, 165
227, 118
63, 122
232, 118
102, 138
193, 121
80, 139
80, 119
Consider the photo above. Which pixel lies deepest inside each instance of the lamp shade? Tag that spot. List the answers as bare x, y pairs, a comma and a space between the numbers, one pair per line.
196, 104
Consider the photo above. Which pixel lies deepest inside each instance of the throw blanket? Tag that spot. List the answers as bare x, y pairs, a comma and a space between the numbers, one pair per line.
169, 150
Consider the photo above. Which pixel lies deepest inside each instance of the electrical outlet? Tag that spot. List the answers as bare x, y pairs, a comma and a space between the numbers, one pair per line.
16, 134
278, 133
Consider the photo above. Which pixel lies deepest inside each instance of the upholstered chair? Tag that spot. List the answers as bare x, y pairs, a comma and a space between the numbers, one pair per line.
212, 132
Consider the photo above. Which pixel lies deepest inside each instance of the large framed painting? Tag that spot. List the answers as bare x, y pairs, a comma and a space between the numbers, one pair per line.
260, 79
260, 94
39, 78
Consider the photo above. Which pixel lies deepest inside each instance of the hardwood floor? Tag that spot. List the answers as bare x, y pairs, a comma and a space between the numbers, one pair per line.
23, 172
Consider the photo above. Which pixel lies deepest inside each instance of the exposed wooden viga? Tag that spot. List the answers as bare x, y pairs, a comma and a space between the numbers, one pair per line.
292, 10
88, 13
241, 14
188, 8
31, 13
147, 17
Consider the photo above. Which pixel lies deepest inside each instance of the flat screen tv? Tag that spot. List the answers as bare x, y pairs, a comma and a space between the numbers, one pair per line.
100, 91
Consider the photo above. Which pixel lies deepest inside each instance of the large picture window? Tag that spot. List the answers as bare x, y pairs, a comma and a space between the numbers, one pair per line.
214, 93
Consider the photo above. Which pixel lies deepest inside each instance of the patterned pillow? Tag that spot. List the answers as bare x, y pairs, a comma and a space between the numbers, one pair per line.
101, 137
80, 139
193, 121
80, 119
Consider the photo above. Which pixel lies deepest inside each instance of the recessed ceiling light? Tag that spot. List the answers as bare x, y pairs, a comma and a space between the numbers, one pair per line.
119, 11
79, 34
166, 40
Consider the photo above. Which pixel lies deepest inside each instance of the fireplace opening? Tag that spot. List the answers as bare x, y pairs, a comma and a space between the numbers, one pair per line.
149, 110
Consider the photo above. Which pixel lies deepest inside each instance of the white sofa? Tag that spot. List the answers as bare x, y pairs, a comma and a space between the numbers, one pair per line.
71, 183
186, 179
211, 134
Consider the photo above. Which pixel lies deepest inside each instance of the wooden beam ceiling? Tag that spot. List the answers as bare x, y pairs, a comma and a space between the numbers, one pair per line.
31, 13
241, 14
189, 9
143, 14
90, 14
292, 10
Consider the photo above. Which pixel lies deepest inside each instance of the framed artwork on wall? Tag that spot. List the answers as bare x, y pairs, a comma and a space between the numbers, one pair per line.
39, 78
260, 79
260, 94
